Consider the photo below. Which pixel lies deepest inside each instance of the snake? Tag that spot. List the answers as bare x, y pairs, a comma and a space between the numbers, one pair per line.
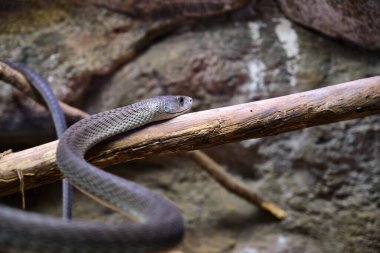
155, 224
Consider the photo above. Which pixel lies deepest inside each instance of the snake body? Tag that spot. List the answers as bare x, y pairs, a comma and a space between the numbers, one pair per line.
158, 224
44, 90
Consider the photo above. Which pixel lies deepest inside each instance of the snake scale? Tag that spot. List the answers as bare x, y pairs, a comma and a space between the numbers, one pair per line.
158, 225
44, 90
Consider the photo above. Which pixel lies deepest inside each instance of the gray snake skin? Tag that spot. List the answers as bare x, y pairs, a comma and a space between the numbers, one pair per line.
52, 103
157, 226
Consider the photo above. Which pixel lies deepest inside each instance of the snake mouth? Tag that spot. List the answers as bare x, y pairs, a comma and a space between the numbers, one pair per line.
180, 112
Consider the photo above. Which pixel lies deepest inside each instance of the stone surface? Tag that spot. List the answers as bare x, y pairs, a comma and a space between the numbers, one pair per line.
327, 178
352, 20
280, 243
168, 8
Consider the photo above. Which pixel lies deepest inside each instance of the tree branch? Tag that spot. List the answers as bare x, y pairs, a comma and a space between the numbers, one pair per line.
205, 129
234, 185
17, 80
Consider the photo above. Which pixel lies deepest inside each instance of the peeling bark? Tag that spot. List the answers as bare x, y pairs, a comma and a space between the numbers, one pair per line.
355, 99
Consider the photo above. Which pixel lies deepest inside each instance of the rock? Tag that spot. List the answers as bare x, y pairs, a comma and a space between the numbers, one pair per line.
168, 8
351, 20
280, 243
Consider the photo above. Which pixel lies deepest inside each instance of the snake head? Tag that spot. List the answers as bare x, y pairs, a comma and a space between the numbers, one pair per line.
177, 104
172, 106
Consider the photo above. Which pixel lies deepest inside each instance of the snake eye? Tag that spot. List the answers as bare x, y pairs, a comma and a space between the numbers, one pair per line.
181, 100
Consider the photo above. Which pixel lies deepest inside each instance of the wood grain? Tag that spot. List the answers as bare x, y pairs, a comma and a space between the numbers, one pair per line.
205, 129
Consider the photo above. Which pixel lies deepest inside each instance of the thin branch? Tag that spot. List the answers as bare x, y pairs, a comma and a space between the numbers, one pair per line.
204, 129
234, 185
17, 80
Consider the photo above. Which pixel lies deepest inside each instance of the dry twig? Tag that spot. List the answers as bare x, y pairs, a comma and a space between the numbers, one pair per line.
17, 80
234, 185
204, 129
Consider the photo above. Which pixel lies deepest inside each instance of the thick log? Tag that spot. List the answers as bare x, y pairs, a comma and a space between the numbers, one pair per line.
205, 129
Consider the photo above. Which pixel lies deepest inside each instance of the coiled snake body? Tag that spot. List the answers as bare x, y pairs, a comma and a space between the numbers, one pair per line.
159, 224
